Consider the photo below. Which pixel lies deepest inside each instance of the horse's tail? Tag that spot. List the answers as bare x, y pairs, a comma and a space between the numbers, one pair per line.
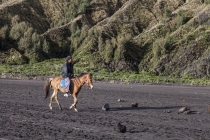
47, 87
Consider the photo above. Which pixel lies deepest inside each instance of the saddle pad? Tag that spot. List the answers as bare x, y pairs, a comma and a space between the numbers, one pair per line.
63, 83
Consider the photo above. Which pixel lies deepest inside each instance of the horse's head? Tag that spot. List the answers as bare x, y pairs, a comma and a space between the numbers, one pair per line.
85, 78
88, 80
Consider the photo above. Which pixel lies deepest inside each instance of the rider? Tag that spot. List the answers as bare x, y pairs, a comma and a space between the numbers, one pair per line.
67, 73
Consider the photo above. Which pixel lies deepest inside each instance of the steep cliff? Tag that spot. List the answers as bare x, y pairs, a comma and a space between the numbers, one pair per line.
167, 37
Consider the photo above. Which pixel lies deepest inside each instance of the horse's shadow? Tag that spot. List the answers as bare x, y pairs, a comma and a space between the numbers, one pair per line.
143, 108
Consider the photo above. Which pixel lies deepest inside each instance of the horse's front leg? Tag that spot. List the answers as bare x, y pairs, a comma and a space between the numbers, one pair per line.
74, 104
56, 98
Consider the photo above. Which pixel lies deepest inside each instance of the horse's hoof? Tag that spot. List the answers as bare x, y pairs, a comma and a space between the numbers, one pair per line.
50, 108
71, 106
75, 110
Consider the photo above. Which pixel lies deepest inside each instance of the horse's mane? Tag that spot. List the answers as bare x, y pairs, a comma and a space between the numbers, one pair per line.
82, 74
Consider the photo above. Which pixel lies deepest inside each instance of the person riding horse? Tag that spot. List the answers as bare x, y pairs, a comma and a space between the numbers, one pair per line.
67, 73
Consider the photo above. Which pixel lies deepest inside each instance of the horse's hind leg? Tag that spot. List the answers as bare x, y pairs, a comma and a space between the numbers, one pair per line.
74, 104
51, 98
56, 98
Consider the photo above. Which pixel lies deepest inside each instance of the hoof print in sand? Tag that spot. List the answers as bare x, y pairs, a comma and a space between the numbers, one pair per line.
120, 128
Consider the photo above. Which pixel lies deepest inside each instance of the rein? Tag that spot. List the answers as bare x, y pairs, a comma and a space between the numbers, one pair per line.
79, 83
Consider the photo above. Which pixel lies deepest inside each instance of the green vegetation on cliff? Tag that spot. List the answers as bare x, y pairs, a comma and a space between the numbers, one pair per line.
157, 37
52, 68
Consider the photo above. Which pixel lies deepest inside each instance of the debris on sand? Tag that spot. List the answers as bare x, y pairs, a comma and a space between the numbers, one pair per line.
187, 112
167, 111
184, 110
134, 104
120, 100
120, 128
106, 107
198, 112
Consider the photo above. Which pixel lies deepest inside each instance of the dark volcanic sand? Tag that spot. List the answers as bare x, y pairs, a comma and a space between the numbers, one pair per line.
25, 115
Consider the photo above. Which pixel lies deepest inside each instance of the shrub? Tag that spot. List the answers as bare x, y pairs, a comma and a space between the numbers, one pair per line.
84, 33
18, 30
180, 18
167, 14
119, 52
25, 40
168, 45
73, 27
158, 48
83, 5
30, 44
207, 1
36, 42
71, 9
109, 50
45, 46
207, 36
101, 44
4, 32
15, 20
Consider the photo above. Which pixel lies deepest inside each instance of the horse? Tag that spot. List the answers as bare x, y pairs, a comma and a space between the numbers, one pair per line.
75, 87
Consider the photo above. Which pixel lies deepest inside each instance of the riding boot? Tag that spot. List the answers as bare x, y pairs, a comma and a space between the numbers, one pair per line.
66, 94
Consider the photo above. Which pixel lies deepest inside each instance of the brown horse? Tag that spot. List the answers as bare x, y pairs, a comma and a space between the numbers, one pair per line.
76, 85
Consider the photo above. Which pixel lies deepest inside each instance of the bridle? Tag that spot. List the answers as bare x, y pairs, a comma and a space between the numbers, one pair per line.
79, 83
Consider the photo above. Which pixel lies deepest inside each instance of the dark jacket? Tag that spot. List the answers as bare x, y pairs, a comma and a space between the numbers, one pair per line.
67, 70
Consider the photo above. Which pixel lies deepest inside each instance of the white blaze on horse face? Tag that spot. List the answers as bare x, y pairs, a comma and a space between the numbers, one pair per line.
91, 87
89, 83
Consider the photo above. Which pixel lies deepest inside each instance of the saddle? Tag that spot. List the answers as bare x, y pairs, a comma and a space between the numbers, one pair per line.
63, 83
